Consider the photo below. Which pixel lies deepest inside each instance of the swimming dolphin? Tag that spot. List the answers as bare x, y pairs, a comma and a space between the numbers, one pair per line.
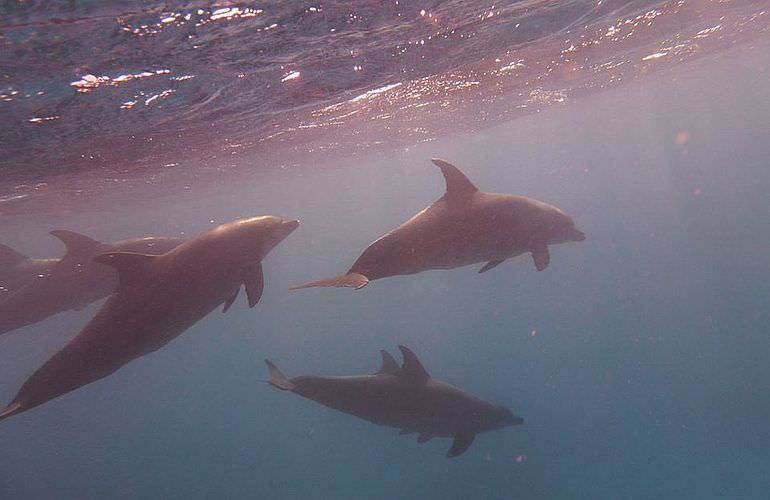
465, 226
406, 398
158, 298
17, 269
74, 281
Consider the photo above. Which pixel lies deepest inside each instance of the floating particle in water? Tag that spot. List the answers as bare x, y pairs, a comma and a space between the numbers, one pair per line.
533, 332
682, 138
520, 458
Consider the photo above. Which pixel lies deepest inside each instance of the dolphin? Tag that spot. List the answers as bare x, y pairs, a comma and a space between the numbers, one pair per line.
74, 281
465, 226
406, 398
157, 299
17, 269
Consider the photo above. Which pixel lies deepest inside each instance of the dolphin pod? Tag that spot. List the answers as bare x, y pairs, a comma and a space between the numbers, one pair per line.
406, 398
158, 298
465, 226
162, 286
69, 283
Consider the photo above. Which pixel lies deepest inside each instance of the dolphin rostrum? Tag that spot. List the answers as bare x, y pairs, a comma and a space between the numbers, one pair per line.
74, 281
406, 398
158, 297
465, 226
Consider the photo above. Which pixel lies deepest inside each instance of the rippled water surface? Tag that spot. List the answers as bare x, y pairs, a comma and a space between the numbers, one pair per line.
137, 89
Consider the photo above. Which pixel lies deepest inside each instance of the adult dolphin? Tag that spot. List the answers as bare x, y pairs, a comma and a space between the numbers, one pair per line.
465, 226
158, 298
17, 269
406, 398
74, 281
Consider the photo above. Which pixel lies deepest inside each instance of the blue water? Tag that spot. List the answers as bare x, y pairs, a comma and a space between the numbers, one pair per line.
638, 359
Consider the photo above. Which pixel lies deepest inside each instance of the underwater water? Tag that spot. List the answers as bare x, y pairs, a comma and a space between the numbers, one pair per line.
638, 358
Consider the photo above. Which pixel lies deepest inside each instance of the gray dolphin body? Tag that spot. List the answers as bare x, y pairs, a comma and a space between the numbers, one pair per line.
406, 398
72, 282
465, 226
158, 298
17, 270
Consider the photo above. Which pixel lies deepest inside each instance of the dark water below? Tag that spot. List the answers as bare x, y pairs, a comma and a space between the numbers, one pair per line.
638, 358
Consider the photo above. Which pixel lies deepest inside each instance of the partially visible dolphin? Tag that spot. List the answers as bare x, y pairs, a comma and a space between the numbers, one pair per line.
158, 298
465, 226
406, 398
74, 281
17, 269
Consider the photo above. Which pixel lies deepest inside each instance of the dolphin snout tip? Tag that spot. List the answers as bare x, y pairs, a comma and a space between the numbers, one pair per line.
579, 235
291, 224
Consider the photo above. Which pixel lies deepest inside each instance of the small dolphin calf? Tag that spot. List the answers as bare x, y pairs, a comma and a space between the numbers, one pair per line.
406, 398
158, 298
16, 269
74, 281
465, 226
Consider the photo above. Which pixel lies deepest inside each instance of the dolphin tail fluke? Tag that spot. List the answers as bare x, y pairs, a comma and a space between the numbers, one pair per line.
277, 379
350, 280
12, 409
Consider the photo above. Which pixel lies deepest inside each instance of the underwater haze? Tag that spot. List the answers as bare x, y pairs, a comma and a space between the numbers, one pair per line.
637, 359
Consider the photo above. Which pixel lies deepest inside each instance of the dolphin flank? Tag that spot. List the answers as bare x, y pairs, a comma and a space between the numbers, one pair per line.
406, 398
465, 226
72, 282
17, 270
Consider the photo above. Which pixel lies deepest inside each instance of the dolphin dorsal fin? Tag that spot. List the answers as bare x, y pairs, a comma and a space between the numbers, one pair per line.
132, 267
412, 367
78, 245
10, 257
389, 364
458, 187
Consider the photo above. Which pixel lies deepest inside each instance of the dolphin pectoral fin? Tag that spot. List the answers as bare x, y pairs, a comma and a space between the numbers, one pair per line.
254, 279
389, 364
229, 302
133, 268
463, 440
277, 379
491, 264
412, 368
424, 437
10, 257
349, 280
541, 256
12, 409
77, 245
458, 187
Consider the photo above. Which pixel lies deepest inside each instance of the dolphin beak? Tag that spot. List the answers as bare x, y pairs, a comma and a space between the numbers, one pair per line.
578, 236
517, 421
